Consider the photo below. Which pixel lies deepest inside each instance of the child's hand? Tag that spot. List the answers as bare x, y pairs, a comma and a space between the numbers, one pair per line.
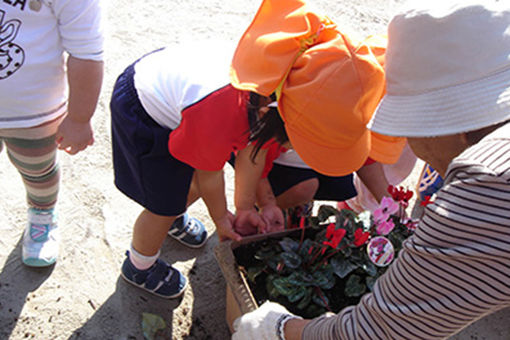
249, 222
273, 217
225, 228
74, 136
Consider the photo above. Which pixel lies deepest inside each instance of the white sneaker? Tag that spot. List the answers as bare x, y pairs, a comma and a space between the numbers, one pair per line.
40, 240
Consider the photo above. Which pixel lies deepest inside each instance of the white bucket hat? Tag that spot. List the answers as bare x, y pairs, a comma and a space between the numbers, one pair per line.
447, 69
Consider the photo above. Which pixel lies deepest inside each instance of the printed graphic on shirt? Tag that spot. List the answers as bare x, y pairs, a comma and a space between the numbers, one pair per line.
14, 3
12, 56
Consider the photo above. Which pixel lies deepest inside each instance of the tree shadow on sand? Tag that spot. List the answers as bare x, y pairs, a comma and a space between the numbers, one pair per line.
17, 281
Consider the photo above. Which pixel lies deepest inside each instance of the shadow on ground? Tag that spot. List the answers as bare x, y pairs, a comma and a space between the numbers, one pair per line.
18, 282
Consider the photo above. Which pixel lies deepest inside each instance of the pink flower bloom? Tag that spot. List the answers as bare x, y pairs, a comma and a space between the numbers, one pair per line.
387, 207
384, 228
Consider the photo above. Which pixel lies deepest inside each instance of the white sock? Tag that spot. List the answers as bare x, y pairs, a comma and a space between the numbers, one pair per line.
142, 262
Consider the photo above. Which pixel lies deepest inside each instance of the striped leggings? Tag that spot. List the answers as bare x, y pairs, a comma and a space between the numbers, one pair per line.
33, 152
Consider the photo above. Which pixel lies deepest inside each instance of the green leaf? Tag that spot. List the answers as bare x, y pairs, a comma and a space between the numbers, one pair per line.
346, 252
359, 257
253, 272
152, 325
354, 287
324, 279
283, 286
273, 263
289, 245
290, 259
342, 266
265, 253
305, 248
325, 211
314, 310
307, 298
314, 222
297, 294
300, 278
370, 268
320, 299
370, 281
270, 288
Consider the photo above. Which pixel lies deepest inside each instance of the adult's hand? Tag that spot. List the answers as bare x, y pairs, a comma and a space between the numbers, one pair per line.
265, 323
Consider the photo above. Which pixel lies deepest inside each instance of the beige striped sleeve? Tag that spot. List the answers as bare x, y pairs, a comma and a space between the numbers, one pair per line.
454, 270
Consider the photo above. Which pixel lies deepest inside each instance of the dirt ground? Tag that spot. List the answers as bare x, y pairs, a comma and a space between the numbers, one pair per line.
83, 296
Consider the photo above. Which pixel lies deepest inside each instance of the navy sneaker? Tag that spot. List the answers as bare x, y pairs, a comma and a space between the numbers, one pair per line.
160, 279
189, 231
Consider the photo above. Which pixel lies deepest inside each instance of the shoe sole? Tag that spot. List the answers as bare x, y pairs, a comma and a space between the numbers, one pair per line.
35, 262
194, 246
154, 293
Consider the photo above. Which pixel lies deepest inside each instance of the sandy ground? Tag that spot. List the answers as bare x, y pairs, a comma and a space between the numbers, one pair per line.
83, 296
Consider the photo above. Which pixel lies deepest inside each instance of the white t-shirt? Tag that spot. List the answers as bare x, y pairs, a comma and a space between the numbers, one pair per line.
291, 158
34, 36
169, 80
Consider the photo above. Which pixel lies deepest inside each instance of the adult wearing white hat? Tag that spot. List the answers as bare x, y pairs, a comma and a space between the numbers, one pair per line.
448, 92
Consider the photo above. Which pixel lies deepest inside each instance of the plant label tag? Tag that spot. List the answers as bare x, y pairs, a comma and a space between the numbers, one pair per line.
380, 251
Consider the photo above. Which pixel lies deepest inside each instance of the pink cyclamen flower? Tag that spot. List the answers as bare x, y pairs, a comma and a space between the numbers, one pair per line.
387, 207
384, 228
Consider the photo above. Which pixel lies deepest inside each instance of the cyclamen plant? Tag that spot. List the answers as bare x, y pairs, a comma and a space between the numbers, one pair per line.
341, 249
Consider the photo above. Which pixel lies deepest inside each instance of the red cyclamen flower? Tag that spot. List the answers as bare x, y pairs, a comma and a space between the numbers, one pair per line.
334, 236
400, 195
360, 237
426, 201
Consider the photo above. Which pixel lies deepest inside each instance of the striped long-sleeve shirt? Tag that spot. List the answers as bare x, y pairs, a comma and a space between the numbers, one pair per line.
454, 270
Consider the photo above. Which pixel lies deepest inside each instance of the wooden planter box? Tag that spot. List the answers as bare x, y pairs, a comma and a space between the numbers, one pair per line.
239, 299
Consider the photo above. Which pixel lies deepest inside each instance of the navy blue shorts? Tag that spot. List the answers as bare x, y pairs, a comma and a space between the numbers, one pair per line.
143, 167
282, 178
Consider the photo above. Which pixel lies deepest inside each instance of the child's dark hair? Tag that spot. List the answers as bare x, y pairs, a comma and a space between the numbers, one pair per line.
263, 129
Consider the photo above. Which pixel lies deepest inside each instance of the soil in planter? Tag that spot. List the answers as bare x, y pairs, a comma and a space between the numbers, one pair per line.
244, 255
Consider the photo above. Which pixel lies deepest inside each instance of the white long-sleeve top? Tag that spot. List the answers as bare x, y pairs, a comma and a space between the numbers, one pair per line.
454, 270
34, 38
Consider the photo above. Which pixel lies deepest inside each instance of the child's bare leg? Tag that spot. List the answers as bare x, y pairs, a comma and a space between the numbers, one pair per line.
142, 267
300, 193
150, 231
194, 192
